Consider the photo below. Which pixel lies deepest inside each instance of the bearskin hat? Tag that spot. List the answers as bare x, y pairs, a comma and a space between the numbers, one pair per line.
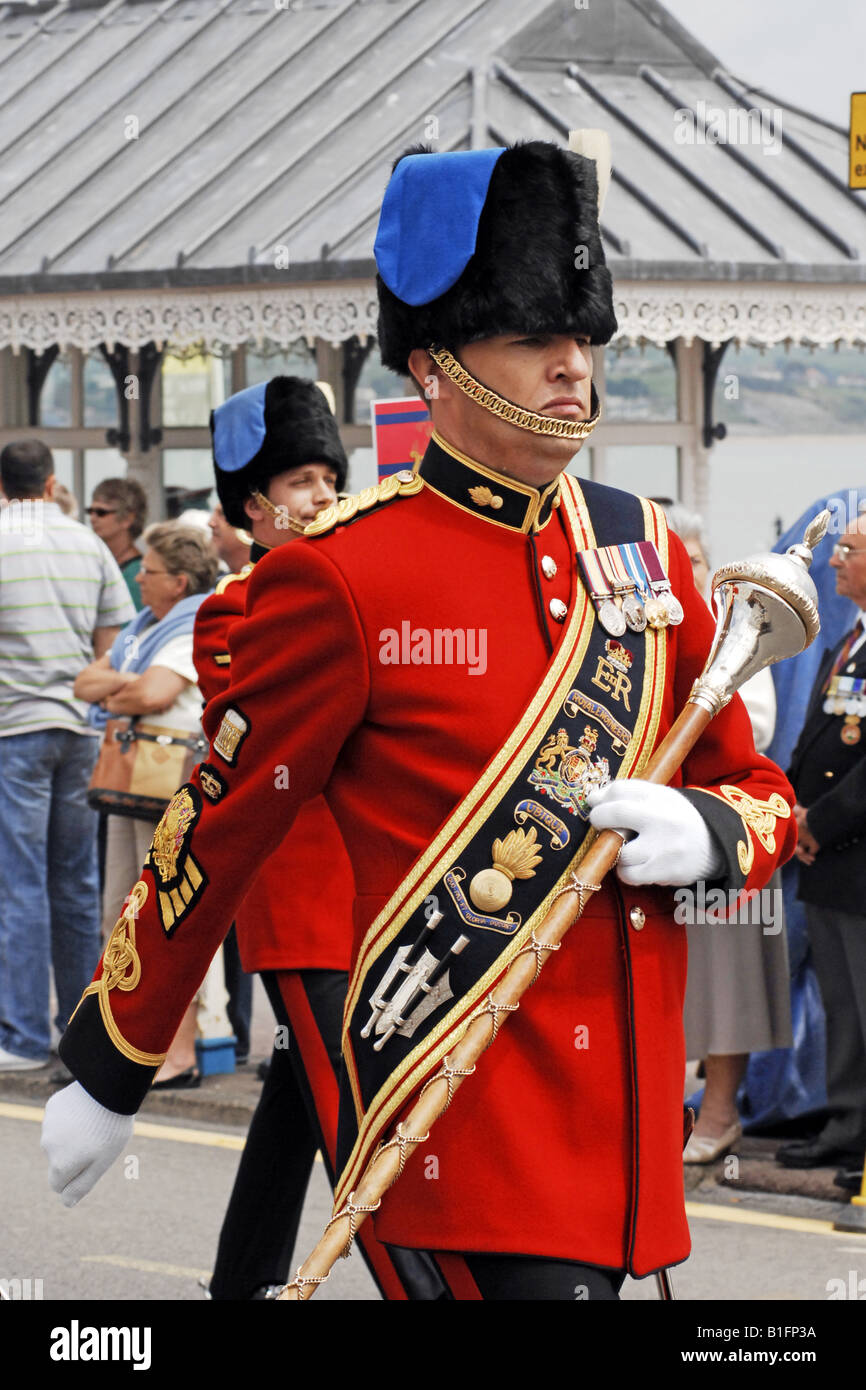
478, 243
266, 430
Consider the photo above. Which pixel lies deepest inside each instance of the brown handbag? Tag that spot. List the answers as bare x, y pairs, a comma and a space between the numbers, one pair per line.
140, 767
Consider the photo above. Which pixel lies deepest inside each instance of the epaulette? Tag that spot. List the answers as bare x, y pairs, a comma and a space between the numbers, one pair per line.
402, 484
228, 579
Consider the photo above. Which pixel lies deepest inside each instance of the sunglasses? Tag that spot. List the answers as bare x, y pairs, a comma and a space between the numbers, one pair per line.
842, 551
101, 511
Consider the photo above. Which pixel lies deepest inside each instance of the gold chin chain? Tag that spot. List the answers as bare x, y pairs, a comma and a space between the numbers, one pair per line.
506, 410
281, 514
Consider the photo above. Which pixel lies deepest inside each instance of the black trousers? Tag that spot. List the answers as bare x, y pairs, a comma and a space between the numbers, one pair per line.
295, 1118
838, 942
526, 1279
240, 989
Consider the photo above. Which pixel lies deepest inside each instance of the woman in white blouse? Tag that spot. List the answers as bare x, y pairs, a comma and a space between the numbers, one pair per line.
149, 672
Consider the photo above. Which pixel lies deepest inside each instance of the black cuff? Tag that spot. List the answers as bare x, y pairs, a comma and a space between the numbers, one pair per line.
727, 829
109, 1077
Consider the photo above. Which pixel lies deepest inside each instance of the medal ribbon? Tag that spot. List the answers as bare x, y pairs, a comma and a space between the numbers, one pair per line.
850, 641
634, 565
622, 578
653, 565
596, 581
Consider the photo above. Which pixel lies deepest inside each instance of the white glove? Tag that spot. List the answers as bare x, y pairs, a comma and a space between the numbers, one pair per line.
82, 1139
672, 843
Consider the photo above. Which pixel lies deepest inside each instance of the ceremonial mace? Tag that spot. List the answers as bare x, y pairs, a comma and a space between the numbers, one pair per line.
767, 610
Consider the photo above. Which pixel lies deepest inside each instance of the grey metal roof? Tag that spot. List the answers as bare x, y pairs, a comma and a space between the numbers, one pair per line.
260, 126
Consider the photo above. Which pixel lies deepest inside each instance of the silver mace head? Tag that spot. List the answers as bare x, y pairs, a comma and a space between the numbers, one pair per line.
766, 610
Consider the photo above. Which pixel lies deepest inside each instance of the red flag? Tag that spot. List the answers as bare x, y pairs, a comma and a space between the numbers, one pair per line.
401, 432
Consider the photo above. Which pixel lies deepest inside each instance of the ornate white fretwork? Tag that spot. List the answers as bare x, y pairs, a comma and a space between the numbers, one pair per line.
744, 312
221, 319
180, 320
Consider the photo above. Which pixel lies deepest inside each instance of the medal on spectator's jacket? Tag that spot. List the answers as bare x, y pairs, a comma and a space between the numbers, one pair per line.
845, 695
601, 591
661, 587
851, 729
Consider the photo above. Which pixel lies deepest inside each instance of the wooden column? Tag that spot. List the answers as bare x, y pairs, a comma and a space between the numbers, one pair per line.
146, 467
694, 471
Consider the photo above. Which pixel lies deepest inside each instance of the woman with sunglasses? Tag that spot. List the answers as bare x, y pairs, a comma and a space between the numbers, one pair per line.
117, 512
149, 673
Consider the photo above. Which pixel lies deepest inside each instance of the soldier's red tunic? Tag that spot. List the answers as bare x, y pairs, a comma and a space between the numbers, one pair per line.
551, 1149
287, 920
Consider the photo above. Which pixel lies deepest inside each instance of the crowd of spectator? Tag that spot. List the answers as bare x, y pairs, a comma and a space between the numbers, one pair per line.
96, 624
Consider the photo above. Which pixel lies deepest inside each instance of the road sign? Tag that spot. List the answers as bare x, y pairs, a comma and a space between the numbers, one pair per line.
857, 177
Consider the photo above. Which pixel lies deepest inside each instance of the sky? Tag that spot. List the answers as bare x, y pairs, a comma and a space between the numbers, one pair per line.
811, 53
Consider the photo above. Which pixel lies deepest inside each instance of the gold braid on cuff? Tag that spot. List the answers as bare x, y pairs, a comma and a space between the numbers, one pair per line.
506, 410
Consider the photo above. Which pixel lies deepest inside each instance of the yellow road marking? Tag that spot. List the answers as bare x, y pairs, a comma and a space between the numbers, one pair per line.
706, 1212
146, 1266
145, 1129
20, 1112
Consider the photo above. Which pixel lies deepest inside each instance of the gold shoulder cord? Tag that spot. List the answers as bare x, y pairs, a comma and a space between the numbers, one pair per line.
402, 484
506, 410
228, 579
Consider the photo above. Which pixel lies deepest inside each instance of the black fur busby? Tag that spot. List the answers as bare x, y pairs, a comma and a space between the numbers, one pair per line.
264, 431
538, 264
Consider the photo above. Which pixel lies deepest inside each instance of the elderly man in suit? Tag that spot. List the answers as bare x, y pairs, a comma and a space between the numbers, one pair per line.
828, 773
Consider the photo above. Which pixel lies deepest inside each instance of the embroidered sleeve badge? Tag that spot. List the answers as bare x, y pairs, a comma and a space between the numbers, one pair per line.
232, 731
180, 880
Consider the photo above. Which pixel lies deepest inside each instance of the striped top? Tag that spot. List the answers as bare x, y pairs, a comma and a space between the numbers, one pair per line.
58, 582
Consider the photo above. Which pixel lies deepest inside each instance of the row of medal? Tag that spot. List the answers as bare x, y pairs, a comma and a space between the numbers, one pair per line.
629, 588
847, 696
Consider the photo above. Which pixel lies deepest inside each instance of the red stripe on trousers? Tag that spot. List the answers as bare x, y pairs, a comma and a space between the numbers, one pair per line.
326, 1098
458, 1279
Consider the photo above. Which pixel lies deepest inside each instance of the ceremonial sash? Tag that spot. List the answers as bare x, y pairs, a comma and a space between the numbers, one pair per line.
469, 904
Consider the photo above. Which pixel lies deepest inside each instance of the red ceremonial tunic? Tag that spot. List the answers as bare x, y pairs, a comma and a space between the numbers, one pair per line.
551, 1148
286, 921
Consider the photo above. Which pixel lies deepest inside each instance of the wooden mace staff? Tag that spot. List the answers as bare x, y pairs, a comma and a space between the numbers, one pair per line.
767, 611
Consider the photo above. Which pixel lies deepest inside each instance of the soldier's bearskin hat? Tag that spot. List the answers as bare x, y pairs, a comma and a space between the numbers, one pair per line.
266, 430
478, 243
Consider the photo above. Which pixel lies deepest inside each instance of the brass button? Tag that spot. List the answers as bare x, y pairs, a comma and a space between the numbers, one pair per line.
548, 566
405, 475
828, 774
637, 917
558, 609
